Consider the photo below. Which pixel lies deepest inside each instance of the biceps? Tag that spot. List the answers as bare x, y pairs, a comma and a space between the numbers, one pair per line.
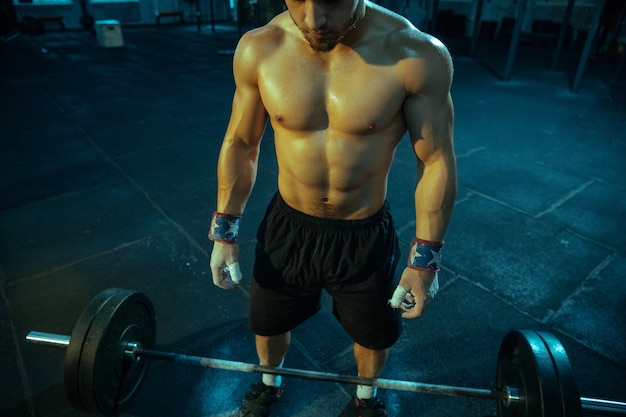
247, 119
431, 127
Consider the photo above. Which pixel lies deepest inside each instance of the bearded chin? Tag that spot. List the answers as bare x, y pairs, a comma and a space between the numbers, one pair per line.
326, 45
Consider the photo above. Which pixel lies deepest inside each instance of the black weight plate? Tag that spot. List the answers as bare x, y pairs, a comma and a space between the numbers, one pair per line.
525, 363
570, 396
75, 348
108, 379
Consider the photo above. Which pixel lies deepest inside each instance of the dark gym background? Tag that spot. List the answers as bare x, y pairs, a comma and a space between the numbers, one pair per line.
108, 159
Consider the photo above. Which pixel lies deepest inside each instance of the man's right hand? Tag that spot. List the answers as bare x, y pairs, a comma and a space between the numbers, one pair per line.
223, 255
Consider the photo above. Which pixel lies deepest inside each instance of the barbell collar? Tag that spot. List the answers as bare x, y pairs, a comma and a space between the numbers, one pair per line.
512, 396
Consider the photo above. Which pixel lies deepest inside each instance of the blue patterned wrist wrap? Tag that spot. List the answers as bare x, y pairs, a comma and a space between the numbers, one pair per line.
425, 255
224, 227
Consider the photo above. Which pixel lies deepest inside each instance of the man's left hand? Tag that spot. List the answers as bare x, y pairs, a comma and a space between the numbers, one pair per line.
420, 287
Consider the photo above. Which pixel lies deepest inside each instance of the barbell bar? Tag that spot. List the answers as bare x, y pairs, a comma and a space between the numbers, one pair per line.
134, 352
107, 352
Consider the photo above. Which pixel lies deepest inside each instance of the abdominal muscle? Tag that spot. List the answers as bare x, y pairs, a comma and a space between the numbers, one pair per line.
330, 175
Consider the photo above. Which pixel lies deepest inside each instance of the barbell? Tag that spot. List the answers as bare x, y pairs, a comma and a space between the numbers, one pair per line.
107, 351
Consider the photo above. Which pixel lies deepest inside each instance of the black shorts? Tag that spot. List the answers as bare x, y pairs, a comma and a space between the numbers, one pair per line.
297, 256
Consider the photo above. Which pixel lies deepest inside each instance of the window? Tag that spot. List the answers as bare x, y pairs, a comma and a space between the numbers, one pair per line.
42, 2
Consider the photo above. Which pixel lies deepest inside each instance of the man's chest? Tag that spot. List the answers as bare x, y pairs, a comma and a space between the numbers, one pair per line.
349, 96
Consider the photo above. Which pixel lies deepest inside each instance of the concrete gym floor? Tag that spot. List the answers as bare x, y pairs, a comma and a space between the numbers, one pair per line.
108, 163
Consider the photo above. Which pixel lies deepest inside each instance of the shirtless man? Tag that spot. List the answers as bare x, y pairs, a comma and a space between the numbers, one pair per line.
341, 82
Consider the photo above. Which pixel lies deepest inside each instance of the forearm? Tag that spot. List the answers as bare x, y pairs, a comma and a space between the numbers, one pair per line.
434, 199
236, 175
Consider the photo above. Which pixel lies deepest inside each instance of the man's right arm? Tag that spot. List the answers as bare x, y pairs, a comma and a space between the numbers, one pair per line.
238, 159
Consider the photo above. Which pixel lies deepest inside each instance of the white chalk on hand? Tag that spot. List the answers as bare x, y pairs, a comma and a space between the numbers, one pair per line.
434, 287
398, 297
234, 271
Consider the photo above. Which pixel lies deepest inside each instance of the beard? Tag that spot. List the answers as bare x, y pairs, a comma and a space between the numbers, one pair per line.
325, 44
329, 39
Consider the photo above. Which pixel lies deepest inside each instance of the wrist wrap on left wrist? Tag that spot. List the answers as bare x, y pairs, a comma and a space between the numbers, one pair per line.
224, 227
425, 255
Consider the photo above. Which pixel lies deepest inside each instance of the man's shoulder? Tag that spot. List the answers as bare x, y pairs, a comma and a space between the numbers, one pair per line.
422, 60
267, 36
257, 45
401, 37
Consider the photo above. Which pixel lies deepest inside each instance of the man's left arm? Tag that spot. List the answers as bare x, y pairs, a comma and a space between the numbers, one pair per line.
429, 115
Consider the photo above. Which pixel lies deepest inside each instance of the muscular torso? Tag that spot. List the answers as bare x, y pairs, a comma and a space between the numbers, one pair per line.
337, 119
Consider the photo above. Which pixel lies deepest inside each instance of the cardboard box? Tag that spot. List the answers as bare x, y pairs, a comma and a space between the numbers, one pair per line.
109, 33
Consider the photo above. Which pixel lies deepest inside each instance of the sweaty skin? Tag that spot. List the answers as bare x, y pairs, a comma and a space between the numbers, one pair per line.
341, 82
338, 117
